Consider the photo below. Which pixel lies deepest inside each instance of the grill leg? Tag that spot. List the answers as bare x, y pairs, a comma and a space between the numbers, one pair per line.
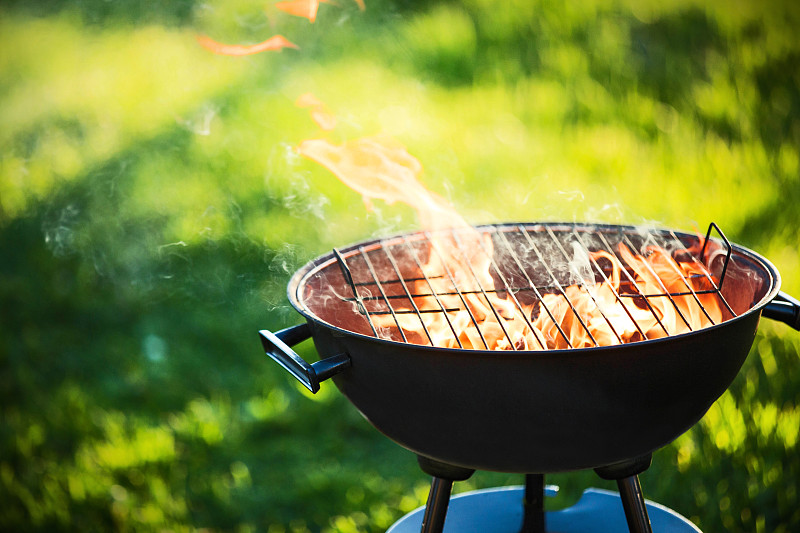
439, 497
533, 521
633, 502
626, 475
436, 508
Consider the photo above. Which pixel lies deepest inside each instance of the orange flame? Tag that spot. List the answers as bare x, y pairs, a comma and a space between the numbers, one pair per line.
381, 168
591, 313
276, 42
606, 319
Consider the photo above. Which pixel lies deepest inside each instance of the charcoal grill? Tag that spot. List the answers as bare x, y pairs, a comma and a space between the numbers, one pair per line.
527, 409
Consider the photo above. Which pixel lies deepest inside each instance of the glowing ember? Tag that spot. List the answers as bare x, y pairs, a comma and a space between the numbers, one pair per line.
276, 42
318, 111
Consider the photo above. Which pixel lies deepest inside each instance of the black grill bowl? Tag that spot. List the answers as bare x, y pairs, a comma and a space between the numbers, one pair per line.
539, 411
530, 411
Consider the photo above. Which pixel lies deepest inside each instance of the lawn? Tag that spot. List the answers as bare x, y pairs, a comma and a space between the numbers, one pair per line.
153, 208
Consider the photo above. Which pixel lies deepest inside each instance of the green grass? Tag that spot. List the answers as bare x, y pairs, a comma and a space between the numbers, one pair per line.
152, 210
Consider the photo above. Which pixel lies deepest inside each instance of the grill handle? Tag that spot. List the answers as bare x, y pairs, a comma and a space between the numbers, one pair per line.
784, 308
277, 346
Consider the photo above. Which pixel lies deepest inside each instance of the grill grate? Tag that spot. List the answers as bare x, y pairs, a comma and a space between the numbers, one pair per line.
392, 281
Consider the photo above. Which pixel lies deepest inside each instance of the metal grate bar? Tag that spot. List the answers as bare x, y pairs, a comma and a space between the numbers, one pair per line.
525, 246
418, 294
727, 255
446, 293
435, 248
660, 284
433, 292
557, 284
402, 311
395, 280
497, 316
706, 274
665, 294
349, 279
532, 287
511, 292
372, 273
609, 284
686, 283
392, 261
582, 282
632, 281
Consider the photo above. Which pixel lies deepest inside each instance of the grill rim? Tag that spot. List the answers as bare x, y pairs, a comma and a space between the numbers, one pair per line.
300, 277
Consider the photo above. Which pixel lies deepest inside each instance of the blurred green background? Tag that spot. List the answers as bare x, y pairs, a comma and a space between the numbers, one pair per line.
152, 210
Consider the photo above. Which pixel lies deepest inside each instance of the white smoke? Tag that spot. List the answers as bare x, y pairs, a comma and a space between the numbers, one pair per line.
580, 266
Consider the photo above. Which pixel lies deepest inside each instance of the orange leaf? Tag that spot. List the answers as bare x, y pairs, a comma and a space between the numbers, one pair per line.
361, 5
273, 43
300, 8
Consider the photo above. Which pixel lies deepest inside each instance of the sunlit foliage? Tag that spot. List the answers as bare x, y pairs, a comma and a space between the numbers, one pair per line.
152, 208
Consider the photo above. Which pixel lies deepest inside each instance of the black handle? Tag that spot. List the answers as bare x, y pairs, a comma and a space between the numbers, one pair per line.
784, 308
276, 345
